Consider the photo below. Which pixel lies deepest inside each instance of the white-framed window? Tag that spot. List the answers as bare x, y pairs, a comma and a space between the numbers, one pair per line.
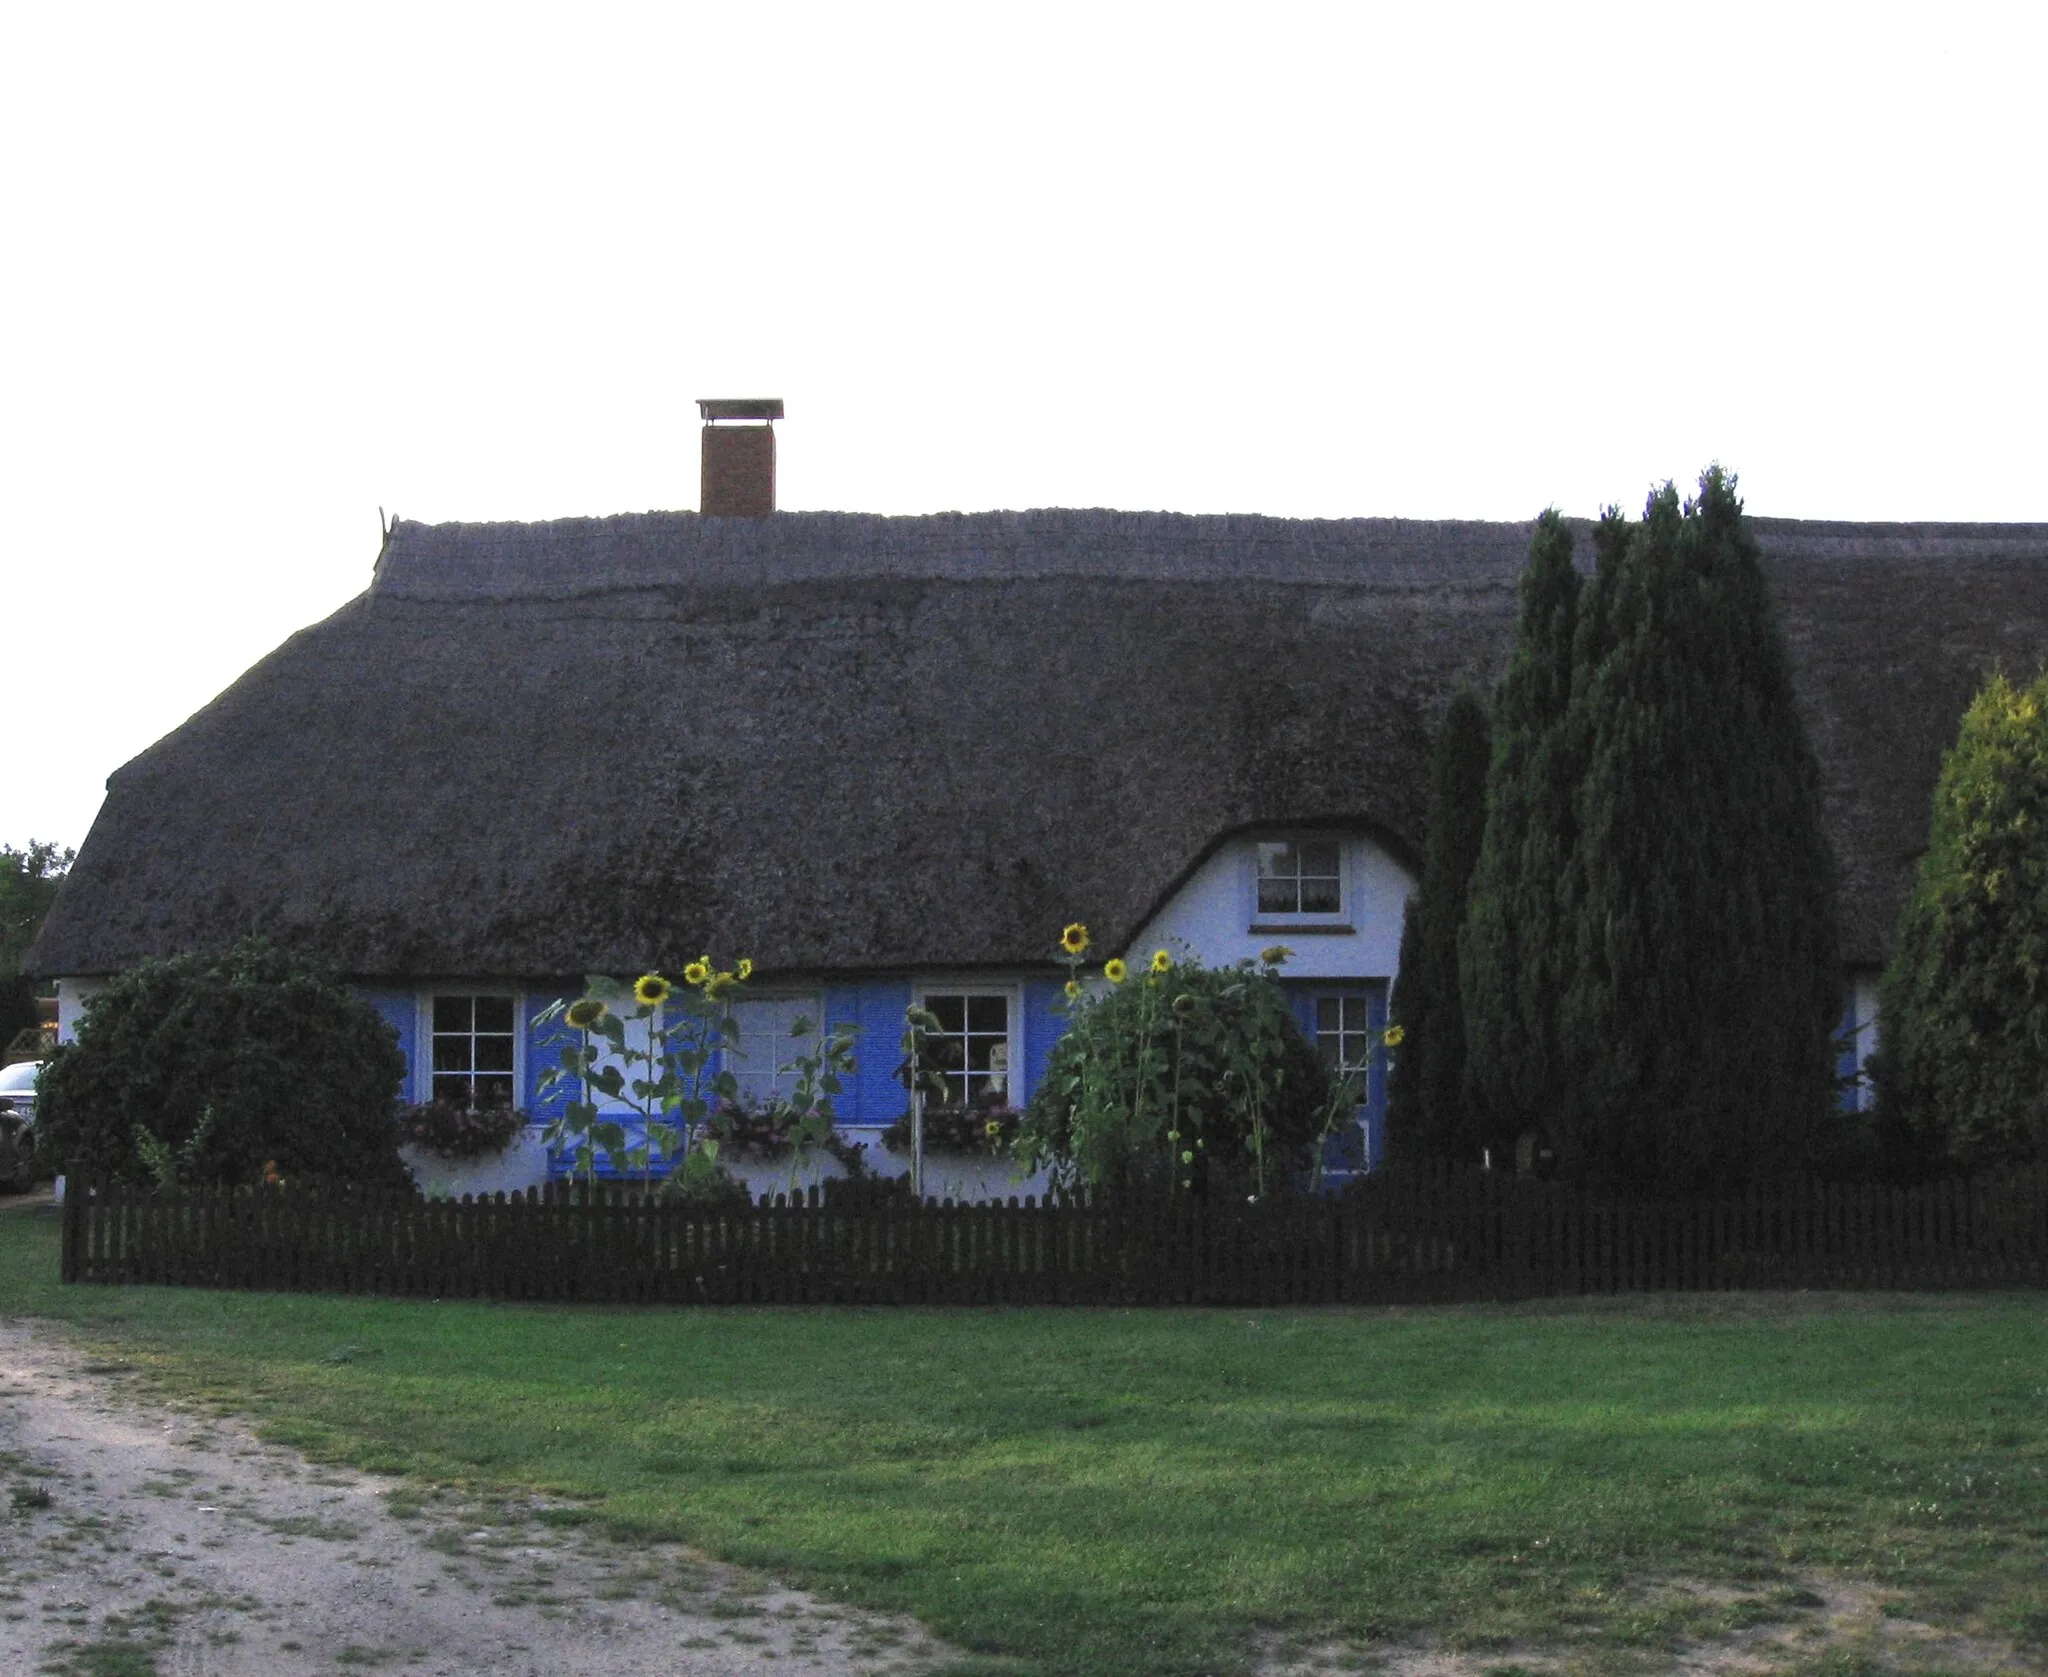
1298, 879
768, 1043
979, 1040
474, 1052
1345, 1037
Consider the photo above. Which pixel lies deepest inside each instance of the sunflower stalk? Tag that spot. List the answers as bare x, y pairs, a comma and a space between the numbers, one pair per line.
655, 1050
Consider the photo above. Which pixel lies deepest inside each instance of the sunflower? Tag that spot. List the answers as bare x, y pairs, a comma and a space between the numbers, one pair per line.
1395, 1035
1161, 961
696, 972
651, 990
1275, 954
584, 1014
720, 982
1114, 970
1073, 989
993, 1129
1074, 940
744, 971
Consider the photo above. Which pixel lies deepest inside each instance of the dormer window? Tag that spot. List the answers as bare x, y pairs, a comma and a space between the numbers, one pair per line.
1300, 876
1298, 881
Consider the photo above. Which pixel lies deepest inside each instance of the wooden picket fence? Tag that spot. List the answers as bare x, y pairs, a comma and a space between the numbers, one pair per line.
1392, 1238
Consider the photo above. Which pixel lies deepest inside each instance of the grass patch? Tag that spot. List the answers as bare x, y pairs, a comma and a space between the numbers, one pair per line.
1159, 1492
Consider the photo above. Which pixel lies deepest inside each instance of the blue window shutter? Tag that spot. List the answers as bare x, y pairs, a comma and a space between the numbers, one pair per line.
1044, 1022
1849, 1097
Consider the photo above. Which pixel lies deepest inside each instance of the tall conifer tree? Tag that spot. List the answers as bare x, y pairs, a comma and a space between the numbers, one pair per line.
1427, 1114
1962, 1067
1704, 983
1515, 939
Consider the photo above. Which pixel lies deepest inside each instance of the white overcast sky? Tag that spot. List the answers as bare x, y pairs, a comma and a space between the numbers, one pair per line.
269, 268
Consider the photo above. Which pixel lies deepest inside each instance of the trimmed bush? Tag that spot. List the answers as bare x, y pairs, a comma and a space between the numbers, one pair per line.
1962, 1067
226, 1063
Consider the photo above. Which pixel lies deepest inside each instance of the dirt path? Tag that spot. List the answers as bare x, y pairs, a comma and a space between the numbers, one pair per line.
136, 1539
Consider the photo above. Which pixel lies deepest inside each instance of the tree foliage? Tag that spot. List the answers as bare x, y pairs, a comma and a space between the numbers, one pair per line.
1701, 1006
1190, 1078
1428, 1116
28, 886
1962, 1070
1514, 946
226, 1063
1650, 964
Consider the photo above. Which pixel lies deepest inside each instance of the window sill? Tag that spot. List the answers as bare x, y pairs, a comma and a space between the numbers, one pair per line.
1307, 928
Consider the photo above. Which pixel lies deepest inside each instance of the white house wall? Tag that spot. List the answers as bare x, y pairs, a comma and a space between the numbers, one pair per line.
1212, 917
72, 994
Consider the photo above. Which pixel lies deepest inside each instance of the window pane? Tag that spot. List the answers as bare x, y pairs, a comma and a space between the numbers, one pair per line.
455, 1089
1319, 857
988, 1013
451, 1053
494, 1013
1354, 1013
1329, 1014
492, 1091
451, 1013
950, 1011
493, 1053
1276, 861
1278, 896
1319, 896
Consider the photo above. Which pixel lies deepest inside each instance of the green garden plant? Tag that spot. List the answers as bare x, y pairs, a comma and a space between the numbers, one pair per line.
1962, 1069
1185, 1078
1428, 1115
1649, 964
292, 1067
664, 1050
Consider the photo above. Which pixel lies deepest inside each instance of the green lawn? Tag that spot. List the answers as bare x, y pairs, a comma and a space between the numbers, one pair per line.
1161, 1491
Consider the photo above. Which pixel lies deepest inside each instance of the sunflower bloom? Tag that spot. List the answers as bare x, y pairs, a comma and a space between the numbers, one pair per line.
744, 971
1073, 989
696, 972
720, 982
651, 990
1275, 954
1394, 1035
1074, 940
584, 1014
1114, 970
1161, 961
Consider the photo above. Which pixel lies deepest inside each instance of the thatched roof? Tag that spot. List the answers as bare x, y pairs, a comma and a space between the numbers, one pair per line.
838, 742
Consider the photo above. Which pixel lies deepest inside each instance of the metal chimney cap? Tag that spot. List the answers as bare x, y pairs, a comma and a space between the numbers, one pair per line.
739, 407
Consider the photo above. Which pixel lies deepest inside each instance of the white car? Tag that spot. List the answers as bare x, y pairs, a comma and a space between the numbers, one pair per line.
17, 1122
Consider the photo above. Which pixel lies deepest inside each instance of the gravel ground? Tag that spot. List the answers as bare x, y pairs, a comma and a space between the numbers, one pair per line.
138, 1539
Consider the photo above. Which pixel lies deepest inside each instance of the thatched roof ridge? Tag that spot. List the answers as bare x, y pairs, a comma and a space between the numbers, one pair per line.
839, 742
575, 557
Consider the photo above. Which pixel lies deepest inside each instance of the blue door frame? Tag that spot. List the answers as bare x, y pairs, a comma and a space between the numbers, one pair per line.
1320, 1011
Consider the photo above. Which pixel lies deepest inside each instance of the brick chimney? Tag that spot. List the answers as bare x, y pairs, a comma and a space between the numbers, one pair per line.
739, 457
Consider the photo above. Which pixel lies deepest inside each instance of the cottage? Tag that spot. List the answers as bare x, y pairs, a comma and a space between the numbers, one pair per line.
888, 758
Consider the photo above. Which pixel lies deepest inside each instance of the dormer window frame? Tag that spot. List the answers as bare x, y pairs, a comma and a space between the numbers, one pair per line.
1263, 915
